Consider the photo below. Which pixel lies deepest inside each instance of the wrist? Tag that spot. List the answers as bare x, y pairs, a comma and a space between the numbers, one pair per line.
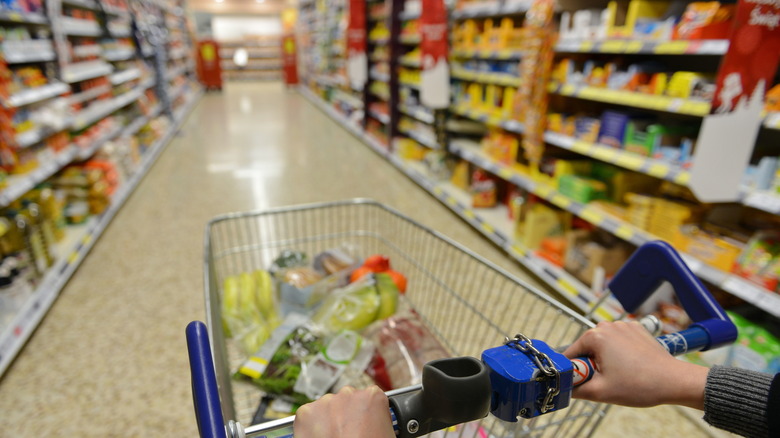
686, 385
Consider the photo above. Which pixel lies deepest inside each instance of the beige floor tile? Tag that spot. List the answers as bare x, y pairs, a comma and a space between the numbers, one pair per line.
110, 358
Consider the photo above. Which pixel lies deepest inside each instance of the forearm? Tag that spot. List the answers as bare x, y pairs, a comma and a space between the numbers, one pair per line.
736, 400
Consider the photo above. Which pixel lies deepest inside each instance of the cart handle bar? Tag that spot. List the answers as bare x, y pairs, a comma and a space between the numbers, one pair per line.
212, 425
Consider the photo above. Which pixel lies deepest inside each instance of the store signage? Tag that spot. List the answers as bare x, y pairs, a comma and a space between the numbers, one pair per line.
357, 63
728, 134
290, 59
435, 70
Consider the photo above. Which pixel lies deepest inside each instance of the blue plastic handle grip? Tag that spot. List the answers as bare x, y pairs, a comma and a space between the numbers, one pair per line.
656, 262
684, 341
205, 393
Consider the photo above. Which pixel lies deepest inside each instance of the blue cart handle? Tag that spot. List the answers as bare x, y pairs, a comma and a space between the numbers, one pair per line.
205, 394
656, 262
652, 264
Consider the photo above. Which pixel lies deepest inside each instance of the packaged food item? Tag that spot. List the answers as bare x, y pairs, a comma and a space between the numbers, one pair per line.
587, 252
403, 346
300, 363
484, 192
302, 286
759, 262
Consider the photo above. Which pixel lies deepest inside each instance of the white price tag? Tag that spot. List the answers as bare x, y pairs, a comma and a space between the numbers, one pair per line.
742, 289
764, 201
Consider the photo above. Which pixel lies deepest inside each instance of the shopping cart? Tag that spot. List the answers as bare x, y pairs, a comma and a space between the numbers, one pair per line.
468, 303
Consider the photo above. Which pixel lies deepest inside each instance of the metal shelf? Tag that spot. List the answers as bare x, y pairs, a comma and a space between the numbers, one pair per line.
504, 79
37, 94
657, 168
119, 54
424, 140
83, 71
100, 110
491, 9
381, 117
23, 17
420, 113
497, 55
488, 119
681, 47
125, 76
80, 27
636, 100
26, 51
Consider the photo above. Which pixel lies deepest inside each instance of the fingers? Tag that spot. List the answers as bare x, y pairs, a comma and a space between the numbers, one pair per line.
586, 344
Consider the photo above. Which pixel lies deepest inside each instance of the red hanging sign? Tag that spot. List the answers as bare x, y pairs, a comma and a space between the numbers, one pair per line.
435, 74
753, 54
357, 64
290, 60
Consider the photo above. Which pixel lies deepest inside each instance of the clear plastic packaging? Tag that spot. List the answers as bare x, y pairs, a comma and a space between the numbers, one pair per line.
403, 346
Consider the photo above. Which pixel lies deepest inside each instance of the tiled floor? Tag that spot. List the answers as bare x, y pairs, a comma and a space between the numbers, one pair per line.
110, 358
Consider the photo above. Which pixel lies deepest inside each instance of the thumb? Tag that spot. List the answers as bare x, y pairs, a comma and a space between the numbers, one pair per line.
586, 345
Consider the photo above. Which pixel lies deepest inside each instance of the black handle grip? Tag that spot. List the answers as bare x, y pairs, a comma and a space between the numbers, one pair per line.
454, 391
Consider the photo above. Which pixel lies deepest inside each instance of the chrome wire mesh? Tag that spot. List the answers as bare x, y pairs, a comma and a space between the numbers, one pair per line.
467, 302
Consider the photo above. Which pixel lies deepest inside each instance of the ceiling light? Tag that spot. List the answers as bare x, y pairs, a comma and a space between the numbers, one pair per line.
260, 1
219, 1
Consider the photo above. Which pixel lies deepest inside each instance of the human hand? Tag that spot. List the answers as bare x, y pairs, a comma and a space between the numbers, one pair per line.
350, 413
633, 369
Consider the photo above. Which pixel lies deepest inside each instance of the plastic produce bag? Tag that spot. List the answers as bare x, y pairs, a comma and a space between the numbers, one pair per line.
249, 309
403, 346
301, 364
357, 305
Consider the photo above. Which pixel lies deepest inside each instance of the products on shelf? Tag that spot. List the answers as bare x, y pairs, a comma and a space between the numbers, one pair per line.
643, 77
648, 20
25, 6
489, 34
759, 262
594, 254
639, 134
379, 32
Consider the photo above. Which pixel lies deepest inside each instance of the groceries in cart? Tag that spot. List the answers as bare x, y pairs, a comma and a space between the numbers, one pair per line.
299, 325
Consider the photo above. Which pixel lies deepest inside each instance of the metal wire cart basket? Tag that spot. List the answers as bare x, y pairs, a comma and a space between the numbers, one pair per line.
467, 302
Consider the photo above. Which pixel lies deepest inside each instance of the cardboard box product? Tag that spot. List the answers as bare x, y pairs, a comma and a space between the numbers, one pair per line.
582, 189
716, 251
538, 221
587, 251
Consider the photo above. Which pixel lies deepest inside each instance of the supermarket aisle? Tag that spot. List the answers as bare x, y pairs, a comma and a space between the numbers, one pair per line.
110, 357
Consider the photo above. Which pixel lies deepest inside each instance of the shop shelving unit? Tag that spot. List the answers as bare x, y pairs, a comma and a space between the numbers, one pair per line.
494, 222
128, 78
265, 58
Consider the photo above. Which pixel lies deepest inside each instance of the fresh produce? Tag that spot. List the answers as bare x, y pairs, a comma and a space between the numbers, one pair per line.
379, 264
388, 295
284, 368
248, 309
358, 304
